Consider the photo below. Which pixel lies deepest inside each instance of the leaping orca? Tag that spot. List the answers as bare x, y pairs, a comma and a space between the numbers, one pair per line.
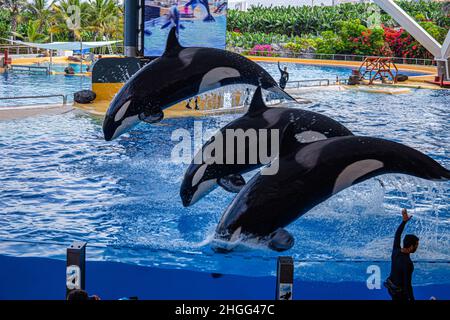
308, 176
179, 74
201, 177
205, 4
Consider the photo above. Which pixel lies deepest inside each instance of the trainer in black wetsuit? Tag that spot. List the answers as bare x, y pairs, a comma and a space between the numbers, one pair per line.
284, 76
399, 282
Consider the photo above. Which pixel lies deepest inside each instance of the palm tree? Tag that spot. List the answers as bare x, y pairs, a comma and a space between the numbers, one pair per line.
41, 13
103, 17
14, 7
32, 33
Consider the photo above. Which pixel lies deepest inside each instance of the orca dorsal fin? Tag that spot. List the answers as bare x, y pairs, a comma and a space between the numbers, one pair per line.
288, 140
172, 44
257, 103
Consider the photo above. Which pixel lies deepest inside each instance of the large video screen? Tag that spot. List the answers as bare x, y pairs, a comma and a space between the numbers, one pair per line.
200, 23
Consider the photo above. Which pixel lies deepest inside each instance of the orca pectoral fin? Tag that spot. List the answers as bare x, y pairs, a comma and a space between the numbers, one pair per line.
281, 240
182, 27
232, 183
152, 116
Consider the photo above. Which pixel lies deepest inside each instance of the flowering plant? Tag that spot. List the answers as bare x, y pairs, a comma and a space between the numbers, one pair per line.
262, 50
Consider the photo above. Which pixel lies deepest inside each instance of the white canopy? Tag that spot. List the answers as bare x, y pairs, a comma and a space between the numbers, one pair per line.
65, 45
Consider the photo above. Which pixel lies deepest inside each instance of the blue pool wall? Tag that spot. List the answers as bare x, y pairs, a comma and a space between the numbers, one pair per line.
42, 279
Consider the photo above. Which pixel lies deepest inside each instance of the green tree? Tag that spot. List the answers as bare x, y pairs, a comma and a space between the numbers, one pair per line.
32, 33
330, 43
4, 24
41, 13
14, 7
103, 18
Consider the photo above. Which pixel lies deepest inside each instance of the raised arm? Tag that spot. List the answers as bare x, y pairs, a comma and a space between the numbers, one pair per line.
401, 227
279, 68
398, 235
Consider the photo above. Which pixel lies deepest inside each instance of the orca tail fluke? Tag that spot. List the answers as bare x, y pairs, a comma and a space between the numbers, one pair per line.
430, 169
399, 158
209, 18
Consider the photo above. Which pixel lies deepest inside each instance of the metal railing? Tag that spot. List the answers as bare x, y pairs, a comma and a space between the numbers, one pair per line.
63, 96
308, 83
19, 49
326, 56
31, 69
22, 50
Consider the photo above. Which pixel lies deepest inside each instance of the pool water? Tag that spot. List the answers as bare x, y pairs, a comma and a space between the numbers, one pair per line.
60, 181
75, 65
19, 84
304, 72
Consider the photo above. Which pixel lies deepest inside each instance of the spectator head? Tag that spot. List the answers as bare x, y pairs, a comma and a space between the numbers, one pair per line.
78, 294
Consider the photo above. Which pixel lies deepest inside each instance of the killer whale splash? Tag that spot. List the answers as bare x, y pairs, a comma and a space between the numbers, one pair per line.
309, 175
200, 177
310, 171
179, 74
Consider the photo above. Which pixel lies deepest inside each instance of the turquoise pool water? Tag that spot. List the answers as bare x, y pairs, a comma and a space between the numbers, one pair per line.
60, 181
19, 84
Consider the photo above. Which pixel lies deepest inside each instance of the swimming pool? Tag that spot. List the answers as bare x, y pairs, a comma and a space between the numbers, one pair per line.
15, 84
21, 84
60, 181
304, 71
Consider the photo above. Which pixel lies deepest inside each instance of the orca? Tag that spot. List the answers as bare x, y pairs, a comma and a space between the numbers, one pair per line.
201, 177
308, 176
173, 18
179, 74
205, 4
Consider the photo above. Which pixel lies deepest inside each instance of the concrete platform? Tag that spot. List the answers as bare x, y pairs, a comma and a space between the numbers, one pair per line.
12, 113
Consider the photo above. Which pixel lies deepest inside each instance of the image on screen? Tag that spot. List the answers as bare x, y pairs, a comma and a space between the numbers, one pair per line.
200, 23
